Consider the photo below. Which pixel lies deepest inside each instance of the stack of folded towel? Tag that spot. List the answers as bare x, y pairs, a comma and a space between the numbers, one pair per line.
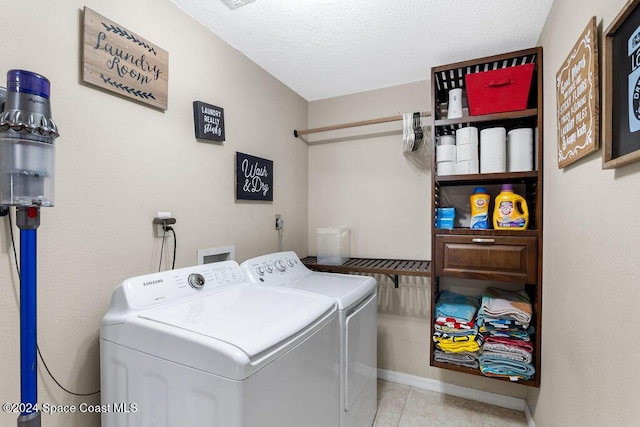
456, 333
504, 321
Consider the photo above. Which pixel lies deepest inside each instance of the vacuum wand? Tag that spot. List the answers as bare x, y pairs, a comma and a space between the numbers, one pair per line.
27, 134
28, 220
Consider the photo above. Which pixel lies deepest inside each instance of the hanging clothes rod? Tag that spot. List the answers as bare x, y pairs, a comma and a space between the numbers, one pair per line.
297, 133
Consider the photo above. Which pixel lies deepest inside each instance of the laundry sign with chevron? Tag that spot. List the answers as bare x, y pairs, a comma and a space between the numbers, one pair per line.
120, 61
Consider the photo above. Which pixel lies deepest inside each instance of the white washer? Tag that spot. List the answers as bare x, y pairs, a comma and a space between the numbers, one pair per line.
199, 346
357, 301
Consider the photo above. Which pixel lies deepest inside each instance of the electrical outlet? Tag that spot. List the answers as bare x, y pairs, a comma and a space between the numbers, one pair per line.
279, 222
159, 231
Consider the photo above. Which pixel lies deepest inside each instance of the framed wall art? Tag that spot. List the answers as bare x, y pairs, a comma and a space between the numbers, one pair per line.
621, 95
577, 95
120, 61
254, 178
208, 121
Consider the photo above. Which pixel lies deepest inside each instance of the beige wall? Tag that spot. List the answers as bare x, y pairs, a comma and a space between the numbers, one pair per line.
590, 372
360, 177
119, 162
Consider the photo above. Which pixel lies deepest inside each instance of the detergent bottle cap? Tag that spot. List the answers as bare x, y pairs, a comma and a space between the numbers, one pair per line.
506, 187
479, 190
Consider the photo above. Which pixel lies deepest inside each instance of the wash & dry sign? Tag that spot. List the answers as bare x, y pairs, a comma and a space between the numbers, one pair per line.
120, 61
254, 178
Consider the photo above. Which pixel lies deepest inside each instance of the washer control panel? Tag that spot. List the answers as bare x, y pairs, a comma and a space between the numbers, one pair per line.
277, 268
162, 287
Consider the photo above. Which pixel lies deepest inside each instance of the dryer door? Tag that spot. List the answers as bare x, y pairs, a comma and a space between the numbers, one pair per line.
361, 351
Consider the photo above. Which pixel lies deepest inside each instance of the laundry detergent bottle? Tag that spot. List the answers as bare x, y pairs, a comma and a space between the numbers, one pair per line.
479, 202
510, 211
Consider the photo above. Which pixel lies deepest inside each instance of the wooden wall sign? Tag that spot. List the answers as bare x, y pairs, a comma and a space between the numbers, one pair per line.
208, 121
254, 178
621, 94
577, 97
120, 61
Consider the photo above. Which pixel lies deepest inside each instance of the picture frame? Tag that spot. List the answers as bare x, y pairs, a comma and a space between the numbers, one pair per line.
254, 178
577, 99
621, 94
208, 121
120, 61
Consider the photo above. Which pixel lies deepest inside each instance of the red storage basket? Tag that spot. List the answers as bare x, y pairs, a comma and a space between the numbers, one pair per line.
497, 91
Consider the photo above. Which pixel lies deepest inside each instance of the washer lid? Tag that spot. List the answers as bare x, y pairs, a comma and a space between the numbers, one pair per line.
249, 317
346, 289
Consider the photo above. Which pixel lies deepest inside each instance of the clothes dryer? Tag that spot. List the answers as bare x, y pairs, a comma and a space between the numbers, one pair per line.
199, 346
356, 296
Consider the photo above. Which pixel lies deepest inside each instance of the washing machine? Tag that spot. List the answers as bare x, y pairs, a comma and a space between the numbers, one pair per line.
199, 346
358, 312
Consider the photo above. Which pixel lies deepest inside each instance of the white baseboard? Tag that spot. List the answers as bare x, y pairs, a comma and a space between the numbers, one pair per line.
509, 402
528, 416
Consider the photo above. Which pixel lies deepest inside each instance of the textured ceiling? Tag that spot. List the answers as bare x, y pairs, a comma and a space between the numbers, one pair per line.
326, 48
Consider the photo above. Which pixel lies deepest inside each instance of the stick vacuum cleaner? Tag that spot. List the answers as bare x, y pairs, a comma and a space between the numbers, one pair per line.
27, 161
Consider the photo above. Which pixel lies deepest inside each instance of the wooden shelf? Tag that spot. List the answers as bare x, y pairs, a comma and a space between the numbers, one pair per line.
477, 372
509, 115
486, 178
488, 232
391, 267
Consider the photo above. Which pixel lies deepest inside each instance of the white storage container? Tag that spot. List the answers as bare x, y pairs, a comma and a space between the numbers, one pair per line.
333, 245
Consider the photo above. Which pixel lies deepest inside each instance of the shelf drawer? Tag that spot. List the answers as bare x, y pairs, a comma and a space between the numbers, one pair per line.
487, 257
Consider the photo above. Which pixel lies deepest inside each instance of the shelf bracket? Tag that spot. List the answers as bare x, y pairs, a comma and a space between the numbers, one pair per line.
395, 279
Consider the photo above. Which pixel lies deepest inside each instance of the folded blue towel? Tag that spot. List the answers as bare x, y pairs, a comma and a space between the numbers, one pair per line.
461, 307
496, 366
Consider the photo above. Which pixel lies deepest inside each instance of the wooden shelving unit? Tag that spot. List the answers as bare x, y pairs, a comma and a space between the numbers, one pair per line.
490, 255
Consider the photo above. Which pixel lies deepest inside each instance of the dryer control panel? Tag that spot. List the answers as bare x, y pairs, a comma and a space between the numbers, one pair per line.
274, 269
142, 292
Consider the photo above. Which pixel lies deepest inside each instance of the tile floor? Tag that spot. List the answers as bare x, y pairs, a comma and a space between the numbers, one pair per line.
404, 406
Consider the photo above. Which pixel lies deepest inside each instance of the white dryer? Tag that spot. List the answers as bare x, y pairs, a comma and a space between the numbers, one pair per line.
357, 301
199, 346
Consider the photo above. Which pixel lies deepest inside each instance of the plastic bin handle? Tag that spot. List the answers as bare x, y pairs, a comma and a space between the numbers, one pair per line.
498, 83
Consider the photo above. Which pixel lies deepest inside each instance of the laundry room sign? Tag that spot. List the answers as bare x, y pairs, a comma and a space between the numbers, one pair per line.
209, 121
120, 61
254, 178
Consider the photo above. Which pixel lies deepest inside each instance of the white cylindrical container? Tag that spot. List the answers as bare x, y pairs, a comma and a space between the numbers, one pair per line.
446, 168
445, 153
466, 166
474, 166
535, 149
462, 167
520, 150
467, 152
455, 104
493, 150
467, 135
446, 140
